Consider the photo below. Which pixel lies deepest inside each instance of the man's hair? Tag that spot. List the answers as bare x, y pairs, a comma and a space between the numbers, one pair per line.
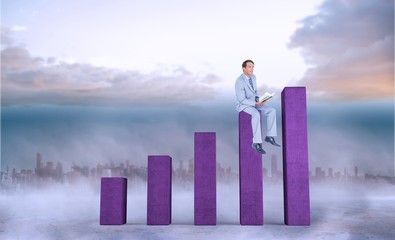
244, 65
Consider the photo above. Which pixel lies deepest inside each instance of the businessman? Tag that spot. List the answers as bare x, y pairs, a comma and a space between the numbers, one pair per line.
247, 101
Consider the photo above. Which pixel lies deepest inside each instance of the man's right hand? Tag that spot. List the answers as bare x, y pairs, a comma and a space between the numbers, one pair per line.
260, 103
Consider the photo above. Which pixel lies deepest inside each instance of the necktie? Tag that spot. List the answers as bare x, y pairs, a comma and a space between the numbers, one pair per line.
250, 80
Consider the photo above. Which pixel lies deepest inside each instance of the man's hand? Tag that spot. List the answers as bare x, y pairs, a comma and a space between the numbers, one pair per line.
260, 103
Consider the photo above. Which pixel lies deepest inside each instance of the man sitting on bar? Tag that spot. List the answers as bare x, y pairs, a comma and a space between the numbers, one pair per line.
248, 101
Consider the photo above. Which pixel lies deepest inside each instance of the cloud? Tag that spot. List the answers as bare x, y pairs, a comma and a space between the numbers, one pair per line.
34, 80
18, 28
6, 38
6, 34
350, 45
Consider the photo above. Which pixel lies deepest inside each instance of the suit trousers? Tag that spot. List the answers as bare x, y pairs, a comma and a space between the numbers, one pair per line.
270, 114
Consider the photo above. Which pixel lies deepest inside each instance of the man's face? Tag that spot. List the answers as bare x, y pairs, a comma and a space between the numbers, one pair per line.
249, 69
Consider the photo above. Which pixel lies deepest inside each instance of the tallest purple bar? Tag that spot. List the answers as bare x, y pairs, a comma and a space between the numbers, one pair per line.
295, 156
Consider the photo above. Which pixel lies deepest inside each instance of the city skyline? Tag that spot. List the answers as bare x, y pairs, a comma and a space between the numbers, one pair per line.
183, 171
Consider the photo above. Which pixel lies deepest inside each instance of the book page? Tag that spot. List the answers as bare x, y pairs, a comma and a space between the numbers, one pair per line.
266, 96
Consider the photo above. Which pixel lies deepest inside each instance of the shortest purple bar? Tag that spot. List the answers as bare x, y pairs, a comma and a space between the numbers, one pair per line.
159, 190
113, 194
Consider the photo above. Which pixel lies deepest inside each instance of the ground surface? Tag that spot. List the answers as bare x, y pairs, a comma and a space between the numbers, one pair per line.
337, 212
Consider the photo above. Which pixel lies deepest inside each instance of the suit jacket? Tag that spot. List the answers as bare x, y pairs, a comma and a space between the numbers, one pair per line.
245, 94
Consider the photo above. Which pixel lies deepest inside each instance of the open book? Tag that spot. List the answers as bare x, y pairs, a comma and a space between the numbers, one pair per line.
265, 97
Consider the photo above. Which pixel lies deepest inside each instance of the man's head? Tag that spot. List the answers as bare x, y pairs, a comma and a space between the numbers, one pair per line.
248, 67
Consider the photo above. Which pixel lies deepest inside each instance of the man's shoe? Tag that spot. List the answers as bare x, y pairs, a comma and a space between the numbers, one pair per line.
271, 141
258, 148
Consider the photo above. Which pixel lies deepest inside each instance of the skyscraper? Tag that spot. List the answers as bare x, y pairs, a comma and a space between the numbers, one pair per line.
39, 164
330, 172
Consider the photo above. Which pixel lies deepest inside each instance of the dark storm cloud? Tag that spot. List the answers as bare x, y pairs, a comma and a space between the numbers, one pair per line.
350, 45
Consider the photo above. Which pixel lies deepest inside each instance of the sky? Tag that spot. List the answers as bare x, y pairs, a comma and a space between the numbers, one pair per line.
77, 52
151, 65
201, 37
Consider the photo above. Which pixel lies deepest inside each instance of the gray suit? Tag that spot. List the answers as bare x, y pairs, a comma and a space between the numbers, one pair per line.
245, 95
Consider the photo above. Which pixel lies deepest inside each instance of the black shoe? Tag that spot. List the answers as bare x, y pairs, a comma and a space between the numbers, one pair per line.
271, 140
258, 148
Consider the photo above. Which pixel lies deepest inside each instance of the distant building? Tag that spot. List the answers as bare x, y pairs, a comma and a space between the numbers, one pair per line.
39, 165
330, 172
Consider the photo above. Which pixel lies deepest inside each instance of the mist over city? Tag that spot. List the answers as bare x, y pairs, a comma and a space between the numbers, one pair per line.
86, 136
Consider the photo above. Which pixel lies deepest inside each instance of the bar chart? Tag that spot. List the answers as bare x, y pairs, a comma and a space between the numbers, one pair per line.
159, 175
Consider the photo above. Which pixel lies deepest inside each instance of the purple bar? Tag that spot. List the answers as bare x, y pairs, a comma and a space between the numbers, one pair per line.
295, 157
113, 195
205, 178
251, 187
159, 190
